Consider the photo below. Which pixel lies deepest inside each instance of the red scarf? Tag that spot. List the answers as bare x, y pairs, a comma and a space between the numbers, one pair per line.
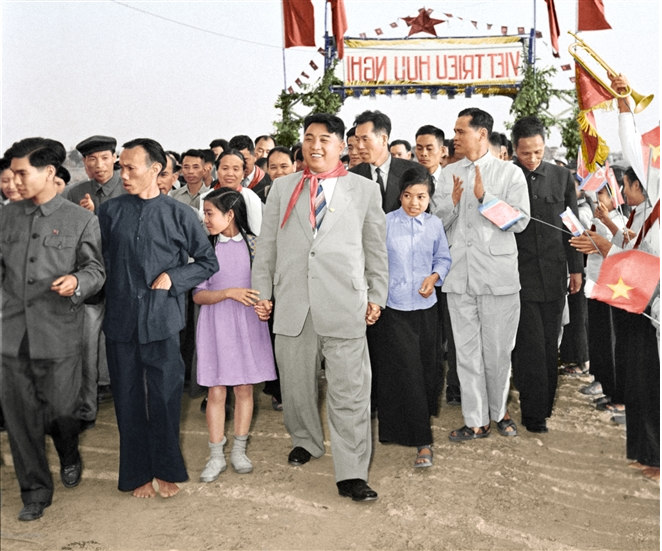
339, 170
259, 174
648, 224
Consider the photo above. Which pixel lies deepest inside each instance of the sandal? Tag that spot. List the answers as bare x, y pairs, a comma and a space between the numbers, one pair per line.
467, 433
506, 424
610, 407
574, 370
278, 406
425, 458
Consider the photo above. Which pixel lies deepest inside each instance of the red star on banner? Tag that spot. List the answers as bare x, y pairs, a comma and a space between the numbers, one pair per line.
422, 23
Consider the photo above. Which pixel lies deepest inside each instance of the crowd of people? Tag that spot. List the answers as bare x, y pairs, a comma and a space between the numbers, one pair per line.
248, 262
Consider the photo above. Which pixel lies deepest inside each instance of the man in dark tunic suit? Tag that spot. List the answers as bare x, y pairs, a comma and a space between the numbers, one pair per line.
51, 262
148, 239
545, 260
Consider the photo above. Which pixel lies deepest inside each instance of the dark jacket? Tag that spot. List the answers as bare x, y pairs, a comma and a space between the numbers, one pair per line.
390, 199
142, 239
545, 254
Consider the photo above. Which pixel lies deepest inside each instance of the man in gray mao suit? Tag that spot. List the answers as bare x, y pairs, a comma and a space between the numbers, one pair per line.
328, 280
51, 262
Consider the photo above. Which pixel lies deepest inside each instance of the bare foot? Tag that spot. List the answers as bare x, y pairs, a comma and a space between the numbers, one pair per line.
652, 472
144, 491
167, 489
636, 465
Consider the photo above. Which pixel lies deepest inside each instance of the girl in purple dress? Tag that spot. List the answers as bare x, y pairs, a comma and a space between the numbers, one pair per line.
234, 348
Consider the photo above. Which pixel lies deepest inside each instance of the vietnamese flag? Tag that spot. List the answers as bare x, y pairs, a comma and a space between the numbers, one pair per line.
299, 23
628, 280
650, 143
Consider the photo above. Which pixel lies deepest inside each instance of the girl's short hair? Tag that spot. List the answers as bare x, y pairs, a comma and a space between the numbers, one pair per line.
416, 175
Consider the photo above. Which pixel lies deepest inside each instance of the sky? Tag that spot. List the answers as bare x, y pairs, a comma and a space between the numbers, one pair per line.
188, 72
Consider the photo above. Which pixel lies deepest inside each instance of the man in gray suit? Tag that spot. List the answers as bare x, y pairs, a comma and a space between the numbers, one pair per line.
51, 262
321, 255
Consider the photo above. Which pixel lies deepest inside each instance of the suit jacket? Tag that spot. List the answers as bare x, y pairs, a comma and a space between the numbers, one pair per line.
484, 256
40, 244
335, 274
545, 254
391, 199
261, 189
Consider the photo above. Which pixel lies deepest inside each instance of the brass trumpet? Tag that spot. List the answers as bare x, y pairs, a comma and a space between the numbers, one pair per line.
640, 101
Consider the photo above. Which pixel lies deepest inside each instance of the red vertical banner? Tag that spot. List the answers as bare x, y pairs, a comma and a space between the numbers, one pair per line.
591, 16
299, 23
339, 22
554, 30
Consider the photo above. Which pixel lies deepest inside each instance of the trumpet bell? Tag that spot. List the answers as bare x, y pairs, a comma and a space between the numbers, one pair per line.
640, 101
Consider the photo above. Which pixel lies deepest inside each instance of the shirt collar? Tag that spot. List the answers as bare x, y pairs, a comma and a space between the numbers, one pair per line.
402, 216
47, 208
385, 166
110, 185
541, 169
481, 161
223, 239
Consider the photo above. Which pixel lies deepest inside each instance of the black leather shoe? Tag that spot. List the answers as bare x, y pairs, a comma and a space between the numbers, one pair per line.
33, 511
70, 475
299, 456
536, 426
357, 489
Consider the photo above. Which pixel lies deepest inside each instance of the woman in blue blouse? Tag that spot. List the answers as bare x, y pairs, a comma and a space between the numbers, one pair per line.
407, 333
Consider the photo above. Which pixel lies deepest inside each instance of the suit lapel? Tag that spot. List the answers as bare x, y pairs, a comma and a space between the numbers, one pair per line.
342, 197
392, 185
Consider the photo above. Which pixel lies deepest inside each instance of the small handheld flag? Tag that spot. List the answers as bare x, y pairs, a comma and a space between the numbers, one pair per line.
571, 222
501, 214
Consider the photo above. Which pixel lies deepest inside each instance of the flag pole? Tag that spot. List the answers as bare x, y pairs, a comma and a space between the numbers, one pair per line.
282, 26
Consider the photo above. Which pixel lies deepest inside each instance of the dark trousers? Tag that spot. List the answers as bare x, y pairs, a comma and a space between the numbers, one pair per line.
601, 346
447, 335
574, 345
535, 358
40, 397
409, 378
642, 391
621, 354
148, 382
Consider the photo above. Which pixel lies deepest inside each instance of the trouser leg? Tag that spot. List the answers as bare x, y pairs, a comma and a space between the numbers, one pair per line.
299, 360
601, 339
465, 320
499, 318
348, 378
551, 320
127, 378
93, 319
25, 428
451, 377
164, 380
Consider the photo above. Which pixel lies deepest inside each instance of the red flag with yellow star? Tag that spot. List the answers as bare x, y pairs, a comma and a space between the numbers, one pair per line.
628, 280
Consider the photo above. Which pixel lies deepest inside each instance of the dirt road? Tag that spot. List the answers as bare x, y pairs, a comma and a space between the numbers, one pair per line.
568, 489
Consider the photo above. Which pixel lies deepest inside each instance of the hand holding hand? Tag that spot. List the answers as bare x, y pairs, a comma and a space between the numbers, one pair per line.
372, 313
65, 285
263, 309
587, 242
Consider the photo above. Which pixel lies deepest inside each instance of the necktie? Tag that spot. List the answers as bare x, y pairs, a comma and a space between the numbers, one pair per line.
320, 206
379, 179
